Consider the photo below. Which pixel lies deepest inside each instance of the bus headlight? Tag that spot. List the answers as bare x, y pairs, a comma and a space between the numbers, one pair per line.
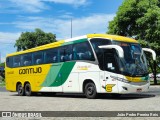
120, 79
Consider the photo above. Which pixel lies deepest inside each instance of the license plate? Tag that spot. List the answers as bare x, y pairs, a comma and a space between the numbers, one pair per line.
139, 90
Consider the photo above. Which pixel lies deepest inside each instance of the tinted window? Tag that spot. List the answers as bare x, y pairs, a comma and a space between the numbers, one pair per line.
99, 52
51, 56
61, 54
82, 51
110, 61
9, 62
99, 42
16, 61
38, 58
26, 59
65, 53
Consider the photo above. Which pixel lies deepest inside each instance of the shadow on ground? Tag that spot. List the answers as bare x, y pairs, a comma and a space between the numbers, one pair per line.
100, 96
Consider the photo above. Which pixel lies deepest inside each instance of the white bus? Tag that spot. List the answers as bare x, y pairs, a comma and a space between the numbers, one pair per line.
90, 64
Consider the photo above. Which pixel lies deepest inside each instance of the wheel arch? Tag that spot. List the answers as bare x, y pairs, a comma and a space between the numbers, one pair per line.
26, 82
87, 81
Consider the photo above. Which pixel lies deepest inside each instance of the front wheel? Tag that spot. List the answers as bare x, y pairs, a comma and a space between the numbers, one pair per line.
90, 90
20, 90
27, 90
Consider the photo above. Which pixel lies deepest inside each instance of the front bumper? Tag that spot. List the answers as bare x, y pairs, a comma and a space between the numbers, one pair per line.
124, 88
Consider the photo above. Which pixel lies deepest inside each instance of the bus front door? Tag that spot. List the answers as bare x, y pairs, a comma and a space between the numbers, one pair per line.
111, 68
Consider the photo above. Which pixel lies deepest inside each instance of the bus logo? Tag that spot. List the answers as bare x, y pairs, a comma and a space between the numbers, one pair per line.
30, 70
109, 87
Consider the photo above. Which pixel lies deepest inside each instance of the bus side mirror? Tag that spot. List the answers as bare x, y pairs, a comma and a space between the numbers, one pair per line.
118, 49
151, 51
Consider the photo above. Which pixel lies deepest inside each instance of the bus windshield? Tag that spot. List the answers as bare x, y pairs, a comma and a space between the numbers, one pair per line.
134, 62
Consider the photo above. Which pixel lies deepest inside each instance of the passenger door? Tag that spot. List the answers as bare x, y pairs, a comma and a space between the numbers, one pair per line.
111, 69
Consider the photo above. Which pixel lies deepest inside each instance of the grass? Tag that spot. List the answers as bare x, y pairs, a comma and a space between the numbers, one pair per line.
2, 84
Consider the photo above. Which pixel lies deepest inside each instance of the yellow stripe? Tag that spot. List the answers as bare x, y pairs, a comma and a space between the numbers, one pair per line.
112, 37
134, 79
51, 45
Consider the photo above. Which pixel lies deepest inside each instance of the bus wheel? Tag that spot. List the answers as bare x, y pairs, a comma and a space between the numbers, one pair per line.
90, 90
20, 90
27, 90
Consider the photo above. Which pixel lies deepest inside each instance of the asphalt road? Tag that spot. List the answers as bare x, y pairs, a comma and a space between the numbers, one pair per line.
150, 101
3, 89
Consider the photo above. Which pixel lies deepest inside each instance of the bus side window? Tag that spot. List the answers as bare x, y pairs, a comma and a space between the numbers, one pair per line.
26, 59
51, 56
68, 53
16, 61
75, 56
48, 57
65, 53
83, 51
9, 62
55, 56
37, 58
61, 54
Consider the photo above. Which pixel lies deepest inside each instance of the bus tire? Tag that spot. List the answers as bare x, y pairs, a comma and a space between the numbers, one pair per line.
27, 90
20, 90
90, 90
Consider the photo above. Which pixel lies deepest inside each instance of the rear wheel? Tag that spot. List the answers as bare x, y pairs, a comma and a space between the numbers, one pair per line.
27, 90
20, 90
90, 90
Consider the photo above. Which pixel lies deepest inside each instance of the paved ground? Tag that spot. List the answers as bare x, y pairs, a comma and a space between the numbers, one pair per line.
3, 89
9, 101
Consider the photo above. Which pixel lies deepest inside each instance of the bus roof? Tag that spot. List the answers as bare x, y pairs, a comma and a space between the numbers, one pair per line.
59, 43
112, 37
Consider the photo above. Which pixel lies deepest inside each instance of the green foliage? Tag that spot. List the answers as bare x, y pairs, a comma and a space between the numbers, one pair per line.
152, 82
2, 64
155, 45
29, 40
2, 83
139, 19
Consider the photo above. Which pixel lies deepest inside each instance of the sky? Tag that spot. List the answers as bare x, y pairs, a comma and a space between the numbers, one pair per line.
88, 16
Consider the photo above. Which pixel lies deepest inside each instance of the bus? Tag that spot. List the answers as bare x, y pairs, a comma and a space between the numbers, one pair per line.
89, 64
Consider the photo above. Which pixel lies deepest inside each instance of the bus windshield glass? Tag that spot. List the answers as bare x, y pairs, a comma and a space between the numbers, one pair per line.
134, 62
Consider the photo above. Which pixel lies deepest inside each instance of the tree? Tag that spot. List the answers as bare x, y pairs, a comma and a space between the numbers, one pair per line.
2, 64
139, 19
29, 40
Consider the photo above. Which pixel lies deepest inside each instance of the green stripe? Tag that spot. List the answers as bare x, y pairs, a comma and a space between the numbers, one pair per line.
63, 73
52, 74
58, 74
145, 78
